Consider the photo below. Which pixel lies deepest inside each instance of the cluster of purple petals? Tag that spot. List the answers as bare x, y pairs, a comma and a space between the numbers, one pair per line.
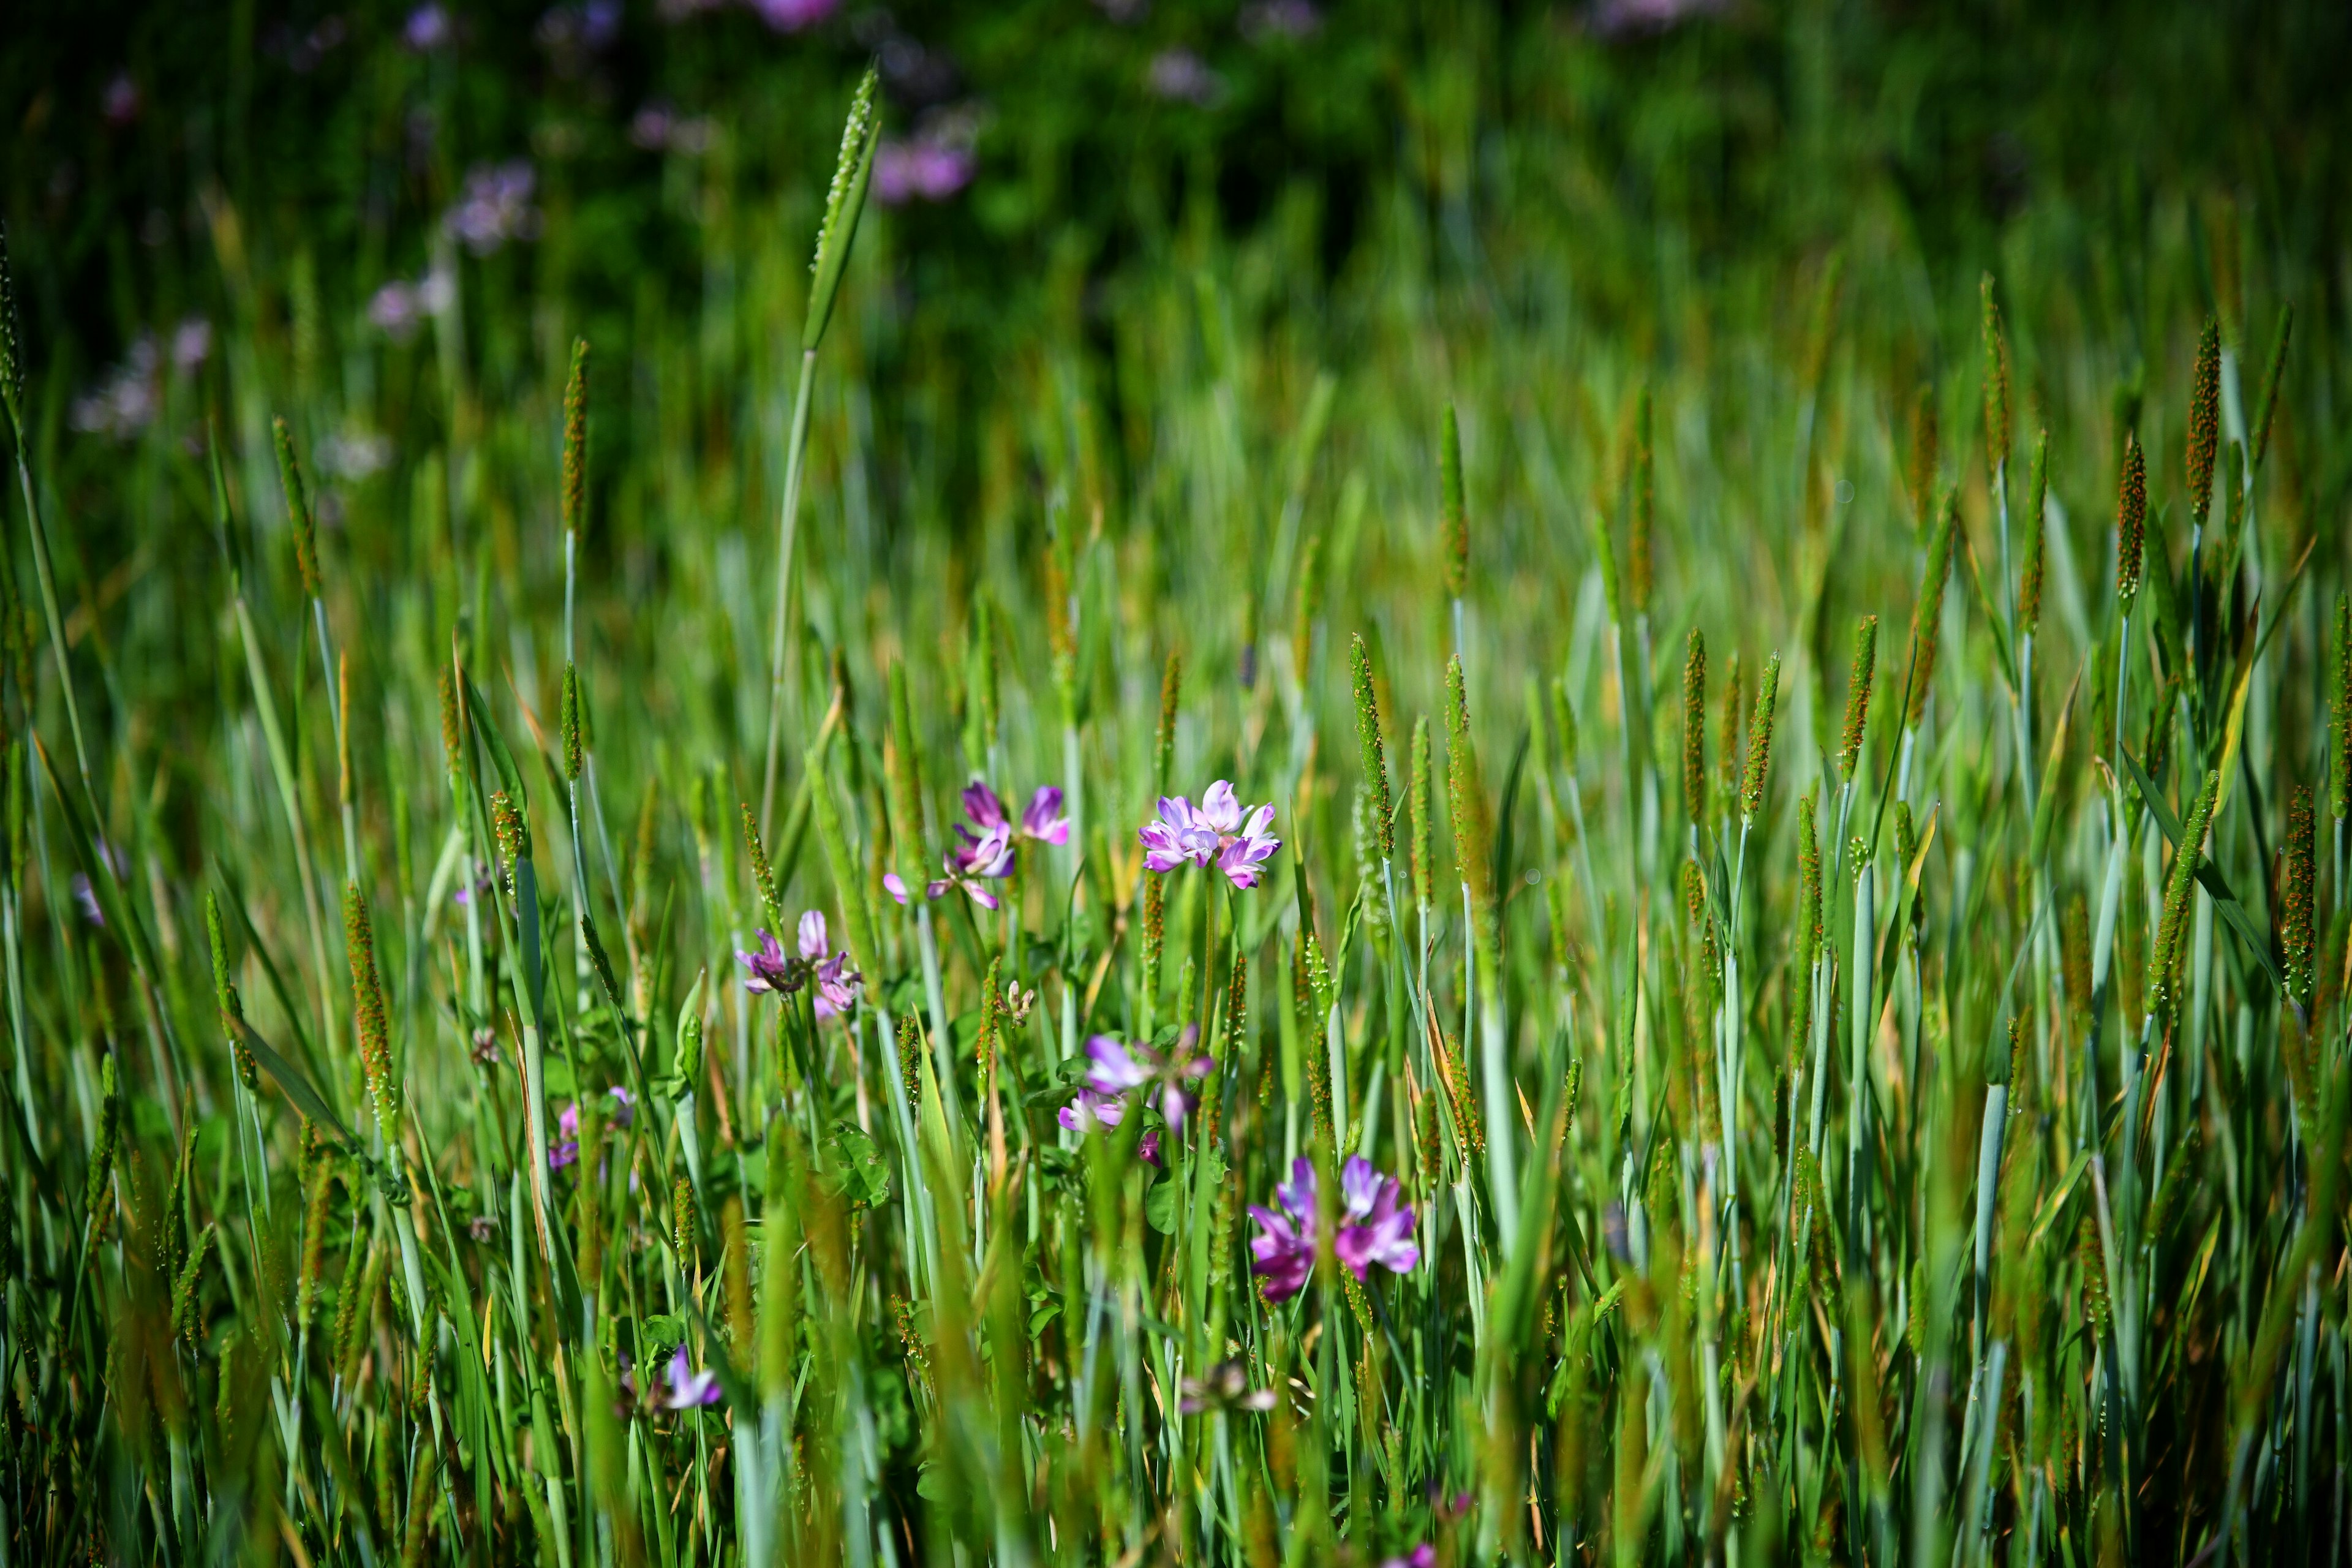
1374, 1227
1219, 831
567, 1122
987, 842
1117, 1071
771, 968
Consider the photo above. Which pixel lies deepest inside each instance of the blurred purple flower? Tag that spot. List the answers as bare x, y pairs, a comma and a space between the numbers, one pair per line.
120, 103
191, 344
86, 897
567, 1122
924, 167
1091, 1111
1216, 830
1147, 1148
1422, 1556
495, 207
793, 15
690, 1389
658, 127
1381, 1231
426, 30
1180, 76
1043, 819
1626, 18
1117, 1068
1268, 19
1283, 1251
397, 309
1224, 1387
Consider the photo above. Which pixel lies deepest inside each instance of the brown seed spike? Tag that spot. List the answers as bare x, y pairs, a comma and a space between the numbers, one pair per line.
2204, 420
1996, 385
1694, 728
370, 1021
1857, 695
2296, 903
2131, 520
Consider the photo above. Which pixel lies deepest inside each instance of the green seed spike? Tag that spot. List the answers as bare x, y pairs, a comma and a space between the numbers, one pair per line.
298, 507
2164, 955
1759, 743
1418, 765
1604, 556
1368, 742
575, 440
370, 1022
1857, 695
1924, 455
1453, 516
225, 996
452, 728
12, 353
2268, 406
1727, 730
1809, 882
1928, 619
1563, 723
1996, 384
573, 748
2204, 420
2297, 901
2131, 520
1643, 516
2339, 717
1163, 747
763, 879
843, 202
2037, 491
1465, 801
1695, 727
101, 1149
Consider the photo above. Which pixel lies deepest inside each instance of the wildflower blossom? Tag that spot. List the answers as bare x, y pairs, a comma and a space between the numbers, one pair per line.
1218, 831
1224, 1387
837, 982
793, 15
1422, 1556
771, 968
495, 207
1118, 1067
690, 1389
426, 30
1374, 1227
567, 1122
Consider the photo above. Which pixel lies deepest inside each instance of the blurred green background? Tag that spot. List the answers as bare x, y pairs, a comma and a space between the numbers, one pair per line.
1118, 242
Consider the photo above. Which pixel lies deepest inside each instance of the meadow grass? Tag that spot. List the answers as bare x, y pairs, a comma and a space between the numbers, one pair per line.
1889, 1104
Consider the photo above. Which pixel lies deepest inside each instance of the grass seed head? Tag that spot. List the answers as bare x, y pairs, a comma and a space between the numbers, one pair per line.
575, 440
370, 1024
2297, 901
1371, 754
1452, 515
2164, 956
2204, 420
2131, 520
1417, 800
1759, 741
845, 200
12, 350
1857, 695
573, 745
298, 507
1641, 518
1928, 619
1996, 385
2037, 492
1921, 475
1695, 727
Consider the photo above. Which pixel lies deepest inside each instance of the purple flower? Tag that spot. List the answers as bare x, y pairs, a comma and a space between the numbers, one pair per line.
690, 1389
973, 862
1219, 830
1381, 1231
495, 207
1118, 1067
928, 167
836, 986
1224, 1387
1374, 1228
793, 15
771, 968
1283, 1248
567, 1122
1043, 818
86, 897
1422, 1556
982, 805
1146, 1149
1183, 77
1091, 1109
428, 28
